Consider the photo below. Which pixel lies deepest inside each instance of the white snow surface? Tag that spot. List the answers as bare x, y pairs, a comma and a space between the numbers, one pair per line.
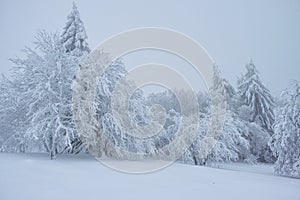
35, 176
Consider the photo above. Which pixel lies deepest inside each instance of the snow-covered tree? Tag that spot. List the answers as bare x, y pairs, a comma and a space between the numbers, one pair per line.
43, 82
193, 154
255, 95
12, 119
139, 111
74, 37
114, 135
203, 102
256, 106
117, 139
166, 99
285, 143
74, 40
36, 102
107, 84
231, 144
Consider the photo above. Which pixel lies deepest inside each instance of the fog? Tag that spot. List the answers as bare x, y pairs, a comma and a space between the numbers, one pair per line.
233, 32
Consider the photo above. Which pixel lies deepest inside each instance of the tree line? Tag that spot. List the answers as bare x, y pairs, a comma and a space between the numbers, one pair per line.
36, 109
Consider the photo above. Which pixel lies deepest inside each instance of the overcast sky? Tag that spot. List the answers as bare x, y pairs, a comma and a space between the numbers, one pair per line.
232, 32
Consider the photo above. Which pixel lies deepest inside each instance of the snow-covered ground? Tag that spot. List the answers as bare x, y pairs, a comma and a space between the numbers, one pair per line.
34, 176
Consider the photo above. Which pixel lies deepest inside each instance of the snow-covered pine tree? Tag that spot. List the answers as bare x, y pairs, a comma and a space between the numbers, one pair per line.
285, 143
256, 96
74, 37
74, 40
257, 103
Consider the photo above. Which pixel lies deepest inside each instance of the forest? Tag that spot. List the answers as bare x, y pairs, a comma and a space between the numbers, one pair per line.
36, 109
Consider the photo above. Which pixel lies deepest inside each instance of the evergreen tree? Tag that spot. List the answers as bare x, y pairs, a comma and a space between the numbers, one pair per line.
74, 37
256, 106
74, 40
257, 98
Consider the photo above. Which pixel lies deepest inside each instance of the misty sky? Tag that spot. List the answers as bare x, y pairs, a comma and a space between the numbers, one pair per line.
232, 32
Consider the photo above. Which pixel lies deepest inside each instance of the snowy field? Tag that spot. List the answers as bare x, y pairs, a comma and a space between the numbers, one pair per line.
34, 176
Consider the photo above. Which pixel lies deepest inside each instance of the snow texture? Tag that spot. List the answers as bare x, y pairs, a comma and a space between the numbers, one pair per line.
34, 176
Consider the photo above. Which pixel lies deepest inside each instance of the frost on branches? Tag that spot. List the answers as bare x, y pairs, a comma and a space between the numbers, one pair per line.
117, 140
231, 144
36, 102
13, 123
256, 107
257, 98
74, 37
44, 88
285, 143
36, 110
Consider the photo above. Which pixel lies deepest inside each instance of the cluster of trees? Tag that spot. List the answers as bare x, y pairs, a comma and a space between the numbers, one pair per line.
36, 101
244, 136
36, 109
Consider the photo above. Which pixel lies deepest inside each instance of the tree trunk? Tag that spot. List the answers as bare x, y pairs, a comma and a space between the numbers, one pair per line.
52, 154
